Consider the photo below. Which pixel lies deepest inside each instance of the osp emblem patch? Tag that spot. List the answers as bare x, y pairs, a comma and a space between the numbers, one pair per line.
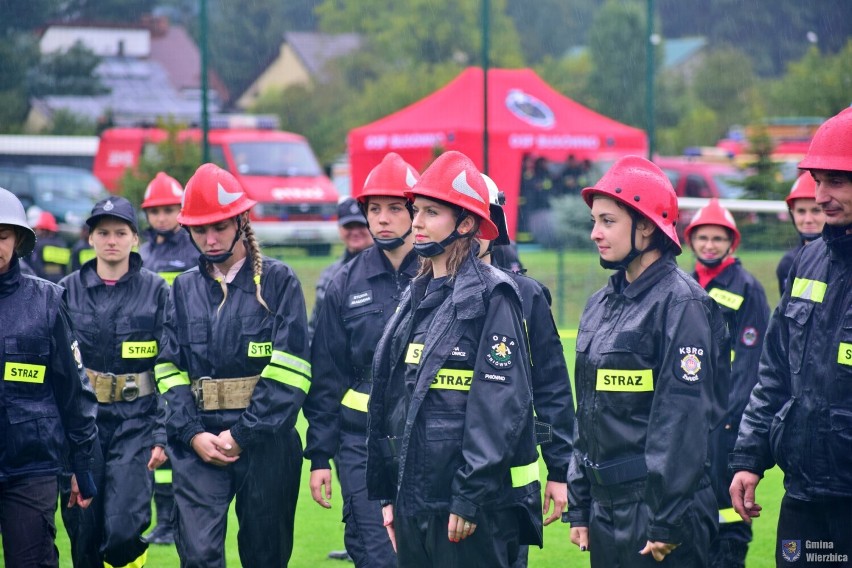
502, 351
791, 550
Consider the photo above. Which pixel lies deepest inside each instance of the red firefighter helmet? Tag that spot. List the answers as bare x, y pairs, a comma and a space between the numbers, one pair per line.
803, 188
391, 178
46, 222
212, 195
714, 214
642, 186
453, 178
163, 190
831, 146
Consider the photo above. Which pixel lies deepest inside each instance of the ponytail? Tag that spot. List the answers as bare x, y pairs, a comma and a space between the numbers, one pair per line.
256, 258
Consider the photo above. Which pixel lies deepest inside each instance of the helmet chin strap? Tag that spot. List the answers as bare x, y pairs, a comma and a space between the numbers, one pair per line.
430, 249
390, 244
633, 254
713, 262
222, 257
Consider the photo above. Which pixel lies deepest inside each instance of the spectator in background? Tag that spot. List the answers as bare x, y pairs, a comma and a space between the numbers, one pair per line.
714, 237
799, 415
51, 258
807, 217
81, 251
353, 231
167, 249
568, 183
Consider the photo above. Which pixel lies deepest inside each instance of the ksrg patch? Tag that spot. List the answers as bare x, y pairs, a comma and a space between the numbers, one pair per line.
502, 351
690, 364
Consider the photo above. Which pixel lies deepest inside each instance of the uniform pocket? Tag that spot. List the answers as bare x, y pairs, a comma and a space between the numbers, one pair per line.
797, 313
24, 367
34, 434
840, 445
781, 433
443, 455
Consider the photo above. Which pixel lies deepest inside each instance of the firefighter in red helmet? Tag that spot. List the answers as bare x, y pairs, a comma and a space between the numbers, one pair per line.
452, 398
799, 415
234, 372
808, 219
651, 376
51, 258
361, 298
713, 236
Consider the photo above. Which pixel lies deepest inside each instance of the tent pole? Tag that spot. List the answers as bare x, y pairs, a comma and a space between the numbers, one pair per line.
485, 33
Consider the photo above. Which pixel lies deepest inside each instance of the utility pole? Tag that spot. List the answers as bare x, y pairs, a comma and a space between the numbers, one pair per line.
486, 8
652, 42
205, 117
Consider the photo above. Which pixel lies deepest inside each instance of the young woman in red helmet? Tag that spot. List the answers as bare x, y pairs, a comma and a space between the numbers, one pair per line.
808, 219
713, 236
234, 372
359, 301
650, 376
451, 392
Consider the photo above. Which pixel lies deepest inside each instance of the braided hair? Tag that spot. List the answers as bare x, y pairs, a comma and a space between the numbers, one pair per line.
256, 258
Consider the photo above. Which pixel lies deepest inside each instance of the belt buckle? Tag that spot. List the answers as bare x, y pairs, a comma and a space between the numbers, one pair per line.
113, 384
130, 392
198, 392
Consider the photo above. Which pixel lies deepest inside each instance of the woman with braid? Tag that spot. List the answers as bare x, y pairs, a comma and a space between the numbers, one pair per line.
234, 371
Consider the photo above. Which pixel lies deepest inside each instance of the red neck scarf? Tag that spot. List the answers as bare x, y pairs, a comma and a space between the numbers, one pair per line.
706, 274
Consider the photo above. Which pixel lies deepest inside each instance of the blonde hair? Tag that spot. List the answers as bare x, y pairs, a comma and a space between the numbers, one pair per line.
457, 251
253, 251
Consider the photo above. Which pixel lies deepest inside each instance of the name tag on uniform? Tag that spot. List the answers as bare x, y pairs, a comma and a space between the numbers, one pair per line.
260, 349
360, 299
138, 349
413, 353
844, 354
452, 379
24, 372
727, 299
618, 380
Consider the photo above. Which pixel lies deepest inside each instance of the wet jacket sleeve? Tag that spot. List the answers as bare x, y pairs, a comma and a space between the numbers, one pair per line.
171, 373
160, 437
752, 319
552, 396
683, 412
752, 451
579, 487
75, 398
285, 381
498, 408
331, 368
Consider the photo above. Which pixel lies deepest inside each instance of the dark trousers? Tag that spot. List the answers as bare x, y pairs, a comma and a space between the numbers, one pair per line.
264, 481
27, 508
617, 532
110, 530
806, 527
366, 537
422, 541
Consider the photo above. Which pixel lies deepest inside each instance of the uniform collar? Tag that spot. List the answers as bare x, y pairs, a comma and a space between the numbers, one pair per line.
838, 242
647, 280
89, 271
244, 280
11, 279
377, 263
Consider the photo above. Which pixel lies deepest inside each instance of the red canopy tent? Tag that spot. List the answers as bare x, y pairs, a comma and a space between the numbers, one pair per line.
525, 116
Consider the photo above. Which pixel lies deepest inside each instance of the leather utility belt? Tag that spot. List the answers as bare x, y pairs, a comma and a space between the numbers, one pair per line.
617, 471
110, 387
223, 394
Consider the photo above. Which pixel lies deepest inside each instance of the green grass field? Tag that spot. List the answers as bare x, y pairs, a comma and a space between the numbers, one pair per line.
318, 530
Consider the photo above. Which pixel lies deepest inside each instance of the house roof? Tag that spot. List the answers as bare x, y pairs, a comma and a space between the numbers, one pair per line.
315, 50
140, 91
183, 71
679, 50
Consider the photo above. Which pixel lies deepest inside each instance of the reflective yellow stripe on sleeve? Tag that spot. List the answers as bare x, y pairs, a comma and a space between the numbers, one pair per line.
56, 255
725, 298
524, 474
168, 375
289, 370
729, 516
355, 400
812, 290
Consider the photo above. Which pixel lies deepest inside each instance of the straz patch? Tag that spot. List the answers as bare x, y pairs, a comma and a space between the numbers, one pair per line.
138, 349
502, 351
452, 379
690, 363
413, 353
24, 372
620, 380
360, 299
749, 336
726, 299
260, 349
844, 354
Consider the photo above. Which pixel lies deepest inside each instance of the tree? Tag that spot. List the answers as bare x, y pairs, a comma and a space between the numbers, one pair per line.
178, 158
550, 27
724, 83
815, 85
617, 41
18, 52
425, 31
67, 73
